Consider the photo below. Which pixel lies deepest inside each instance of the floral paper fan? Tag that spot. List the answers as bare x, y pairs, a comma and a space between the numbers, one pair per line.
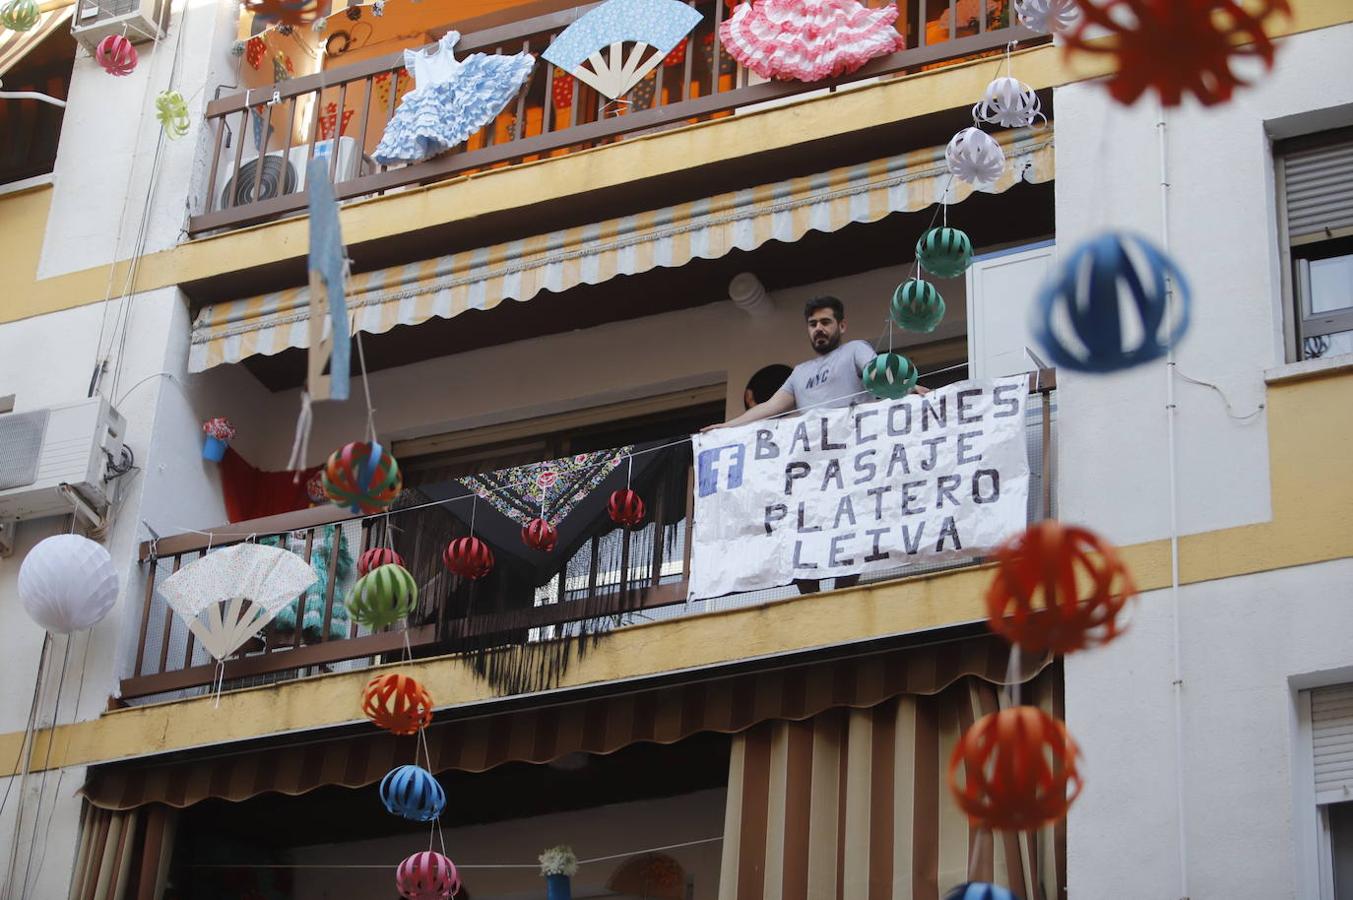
591, 48
809, 40
226, 597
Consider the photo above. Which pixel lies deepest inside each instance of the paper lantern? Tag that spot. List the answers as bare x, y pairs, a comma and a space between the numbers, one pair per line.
382, 597
172, 112
1080, 310
468, 557
67, 583
377, 557
945, 252
626, 508
889, 375
1019, 769
975, 157
286, 12
1058, 587
1176, 47
116, 54
427, 876
397, 703
411, 792
362, 477
980, 890
917, 306
1052, 16
539, 535
1008, 102
19, 15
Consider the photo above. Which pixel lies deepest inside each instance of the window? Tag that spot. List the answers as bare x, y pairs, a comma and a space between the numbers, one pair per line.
1331, 722
30, 129
1315, 177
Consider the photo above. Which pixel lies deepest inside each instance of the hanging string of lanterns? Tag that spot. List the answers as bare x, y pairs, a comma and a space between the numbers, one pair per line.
383, 596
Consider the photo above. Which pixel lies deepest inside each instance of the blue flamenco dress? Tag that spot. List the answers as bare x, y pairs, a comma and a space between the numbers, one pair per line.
451, 99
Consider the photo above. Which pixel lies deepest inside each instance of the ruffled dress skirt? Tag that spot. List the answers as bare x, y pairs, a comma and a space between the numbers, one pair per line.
433, 119
808, 40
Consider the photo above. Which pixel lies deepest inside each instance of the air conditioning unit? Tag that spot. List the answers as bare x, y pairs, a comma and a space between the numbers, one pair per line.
44, 449
137, 20
281, 176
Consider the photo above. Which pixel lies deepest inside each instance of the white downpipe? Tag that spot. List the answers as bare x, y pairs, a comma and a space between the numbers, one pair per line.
1171, 410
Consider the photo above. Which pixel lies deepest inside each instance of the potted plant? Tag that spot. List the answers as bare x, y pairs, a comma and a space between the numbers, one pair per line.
219, 433
558, 865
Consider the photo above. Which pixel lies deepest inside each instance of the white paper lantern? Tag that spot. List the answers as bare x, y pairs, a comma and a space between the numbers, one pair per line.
1051, 16
975, 157
1008, 102
67, 583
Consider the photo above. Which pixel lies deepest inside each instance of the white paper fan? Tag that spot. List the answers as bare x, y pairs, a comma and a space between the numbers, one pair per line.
226, 597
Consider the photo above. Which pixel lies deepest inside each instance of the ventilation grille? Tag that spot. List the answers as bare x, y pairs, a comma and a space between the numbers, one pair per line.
21, 437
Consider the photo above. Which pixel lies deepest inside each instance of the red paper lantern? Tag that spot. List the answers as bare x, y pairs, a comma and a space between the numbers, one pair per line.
626, 508
116, 54
1176, 47
427, 876
377, 557
1019, 770
1058, 588
468, 557
539, 535
397, 703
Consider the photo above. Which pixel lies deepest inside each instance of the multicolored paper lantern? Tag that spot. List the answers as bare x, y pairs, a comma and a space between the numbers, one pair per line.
1176, 47
1008, 102
626, 508
1019, 770
397, 703
383, 596
1059, 588
67, 583
468, 557
377, 557
1080, 310
889, 375
980, 890
427, 876
362, 477
975, 157
945, 252
1052, 16
539, 535
411, 792
917, 306
116, 55
19, 15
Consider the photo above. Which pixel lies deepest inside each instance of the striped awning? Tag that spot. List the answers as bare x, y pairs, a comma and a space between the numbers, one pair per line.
14, 45
602, 725
590, 254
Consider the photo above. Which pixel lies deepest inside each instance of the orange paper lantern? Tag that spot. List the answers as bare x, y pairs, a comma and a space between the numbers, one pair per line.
397, 703
1058, 588
1019, 770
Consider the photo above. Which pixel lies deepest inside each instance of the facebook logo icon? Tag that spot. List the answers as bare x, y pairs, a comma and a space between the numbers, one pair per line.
720, 464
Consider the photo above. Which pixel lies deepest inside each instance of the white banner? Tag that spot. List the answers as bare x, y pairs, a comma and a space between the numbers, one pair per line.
860, 489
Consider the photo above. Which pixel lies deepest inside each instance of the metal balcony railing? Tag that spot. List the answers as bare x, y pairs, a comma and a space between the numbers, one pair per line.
291, 121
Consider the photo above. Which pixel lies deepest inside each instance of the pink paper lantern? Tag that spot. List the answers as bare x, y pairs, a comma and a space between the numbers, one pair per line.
116, 54
427, 876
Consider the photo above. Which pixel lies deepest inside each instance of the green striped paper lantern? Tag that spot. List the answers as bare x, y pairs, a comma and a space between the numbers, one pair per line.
945, 252
383, 596
890, 376
917, 306
19, 15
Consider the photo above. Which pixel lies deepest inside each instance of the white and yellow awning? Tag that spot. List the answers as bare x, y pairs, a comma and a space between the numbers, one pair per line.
519, 270
14, 45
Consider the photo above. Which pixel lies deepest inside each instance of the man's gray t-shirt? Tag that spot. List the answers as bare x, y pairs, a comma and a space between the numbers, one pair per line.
832, 379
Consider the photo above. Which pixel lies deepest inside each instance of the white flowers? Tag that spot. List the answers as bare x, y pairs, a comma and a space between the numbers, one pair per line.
559, 861
1008, 102
975, 157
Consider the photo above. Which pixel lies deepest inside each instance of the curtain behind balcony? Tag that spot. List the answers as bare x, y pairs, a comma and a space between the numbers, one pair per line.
123, 855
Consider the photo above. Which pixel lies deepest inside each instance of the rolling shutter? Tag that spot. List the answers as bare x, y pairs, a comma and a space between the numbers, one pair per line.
1319, 192
1332, 730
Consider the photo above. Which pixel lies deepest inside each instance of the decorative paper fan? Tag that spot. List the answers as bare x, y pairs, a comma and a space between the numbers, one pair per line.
809, 40
591, 48
220, 585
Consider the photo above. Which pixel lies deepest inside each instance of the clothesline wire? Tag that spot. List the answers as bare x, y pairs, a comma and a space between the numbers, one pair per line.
535, 865
504, 491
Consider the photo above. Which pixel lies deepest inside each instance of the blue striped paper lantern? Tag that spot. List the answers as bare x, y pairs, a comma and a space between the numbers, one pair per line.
980, 890
411, 792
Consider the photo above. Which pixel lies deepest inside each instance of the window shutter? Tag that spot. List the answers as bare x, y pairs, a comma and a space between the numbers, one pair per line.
1319, 189
1332, 731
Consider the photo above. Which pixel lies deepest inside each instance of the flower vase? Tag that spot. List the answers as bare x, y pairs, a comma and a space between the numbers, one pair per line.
214, 449
557, 887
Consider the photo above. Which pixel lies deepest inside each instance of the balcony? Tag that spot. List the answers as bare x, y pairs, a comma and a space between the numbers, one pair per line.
553, 115
508, 626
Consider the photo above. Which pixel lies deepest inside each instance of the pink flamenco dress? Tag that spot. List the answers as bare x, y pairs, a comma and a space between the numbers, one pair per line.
808, 40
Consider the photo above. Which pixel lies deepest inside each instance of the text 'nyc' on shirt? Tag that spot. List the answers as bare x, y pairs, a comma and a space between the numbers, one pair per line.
832, 379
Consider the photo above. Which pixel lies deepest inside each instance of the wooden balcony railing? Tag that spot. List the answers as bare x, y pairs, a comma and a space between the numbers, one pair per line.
615, 577
293, 120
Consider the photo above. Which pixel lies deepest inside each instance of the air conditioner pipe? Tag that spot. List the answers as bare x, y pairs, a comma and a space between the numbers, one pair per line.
749, 295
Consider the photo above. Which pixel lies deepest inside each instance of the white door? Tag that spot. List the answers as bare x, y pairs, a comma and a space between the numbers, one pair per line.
1001, 291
